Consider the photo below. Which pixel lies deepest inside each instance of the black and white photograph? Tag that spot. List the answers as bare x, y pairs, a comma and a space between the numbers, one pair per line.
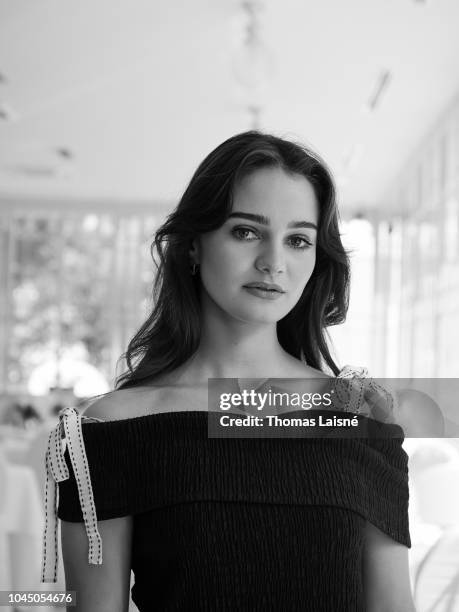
229, 306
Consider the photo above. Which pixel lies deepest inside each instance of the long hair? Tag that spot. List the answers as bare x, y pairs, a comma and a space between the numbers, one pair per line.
172, 331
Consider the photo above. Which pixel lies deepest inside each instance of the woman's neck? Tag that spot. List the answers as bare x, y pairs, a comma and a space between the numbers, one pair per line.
243, 351
237, 349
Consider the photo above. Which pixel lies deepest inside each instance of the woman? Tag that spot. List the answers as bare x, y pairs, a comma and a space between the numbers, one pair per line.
251, 272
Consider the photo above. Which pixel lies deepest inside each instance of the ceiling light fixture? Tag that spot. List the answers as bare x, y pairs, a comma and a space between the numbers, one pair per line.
380, 87
64, 153
252, 63
7, 113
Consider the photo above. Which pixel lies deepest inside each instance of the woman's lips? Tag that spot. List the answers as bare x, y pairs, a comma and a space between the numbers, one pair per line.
265, 294
263, 285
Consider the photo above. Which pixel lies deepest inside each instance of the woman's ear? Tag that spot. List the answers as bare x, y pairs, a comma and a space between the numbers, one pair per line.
195, 251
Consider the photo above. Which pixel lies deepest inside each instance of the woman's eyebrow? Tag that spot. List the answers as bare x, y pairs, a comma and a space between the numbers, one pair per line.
265, 220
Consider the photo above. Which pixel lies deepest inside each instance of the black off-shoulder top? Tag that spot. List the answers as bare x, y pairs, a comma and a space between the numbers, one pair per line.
233, 524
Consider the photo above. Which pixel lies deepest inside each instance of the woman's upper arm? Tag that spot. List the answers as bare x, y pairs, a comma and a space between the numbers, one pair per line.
99, 588
385, 573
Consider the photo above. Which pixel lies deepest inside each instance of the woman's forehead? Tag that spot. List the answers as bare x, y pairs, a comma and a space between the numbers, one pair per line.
276, 195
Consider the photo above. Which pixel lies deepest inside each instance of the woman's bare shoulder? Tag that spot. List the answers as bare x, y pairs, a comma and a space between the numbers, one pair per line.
297, 368
125, 404
147, 400
302, 370
317, 373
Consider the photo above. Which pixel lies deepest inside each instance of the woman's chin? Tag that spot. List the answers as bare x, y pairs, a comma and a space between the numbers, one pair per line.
255, 311
261, 316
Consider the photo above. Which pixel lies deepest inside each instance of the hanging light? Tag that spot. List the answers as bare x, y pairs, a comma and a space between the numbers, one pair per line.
253, 64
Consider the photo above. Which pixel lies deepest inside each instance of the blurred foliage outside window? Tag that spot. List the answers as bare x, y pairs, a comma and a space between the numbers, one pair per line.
77, 288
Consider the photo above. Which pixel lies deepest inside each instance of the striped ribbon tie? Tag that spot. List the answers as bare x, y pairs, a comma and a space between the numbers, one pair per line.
68, 435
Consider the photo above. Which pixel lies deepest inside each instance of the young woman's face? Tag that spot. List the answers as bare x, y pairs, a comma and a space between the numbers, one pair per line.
255, 267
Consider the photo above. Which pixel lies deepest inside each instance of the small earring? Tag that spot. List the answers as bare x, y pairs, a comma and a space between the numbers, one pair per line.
194, 269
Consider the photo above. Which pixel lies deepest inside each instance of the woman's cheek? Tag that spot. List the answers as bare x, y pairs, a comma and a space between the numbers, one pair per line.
220, 265
304, 269
215, 276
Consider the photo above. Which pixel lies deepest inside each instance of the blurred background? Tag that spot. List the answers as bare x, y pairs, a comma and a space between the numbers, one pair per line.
106, 109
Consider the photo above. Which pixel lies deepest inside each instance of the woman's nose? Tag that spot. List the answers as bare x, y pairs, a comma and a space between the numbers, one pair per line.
271, 261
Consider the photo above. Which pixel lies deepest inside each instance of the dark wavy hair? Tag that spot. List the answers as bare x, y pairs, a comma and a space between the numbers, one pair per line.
171, 333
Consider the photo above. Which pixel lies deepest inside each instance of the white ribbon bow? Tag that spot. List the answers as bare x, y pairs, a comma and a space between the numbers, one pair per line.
68, 434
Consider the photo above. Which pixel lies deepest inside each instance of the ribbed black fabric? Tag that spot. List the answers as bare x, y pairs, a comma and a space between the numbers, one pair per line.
243, 524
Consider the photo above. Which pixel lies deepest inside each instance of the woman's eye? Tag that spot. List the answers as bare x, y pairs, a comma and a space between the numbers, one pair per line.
299, 242
244, 233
